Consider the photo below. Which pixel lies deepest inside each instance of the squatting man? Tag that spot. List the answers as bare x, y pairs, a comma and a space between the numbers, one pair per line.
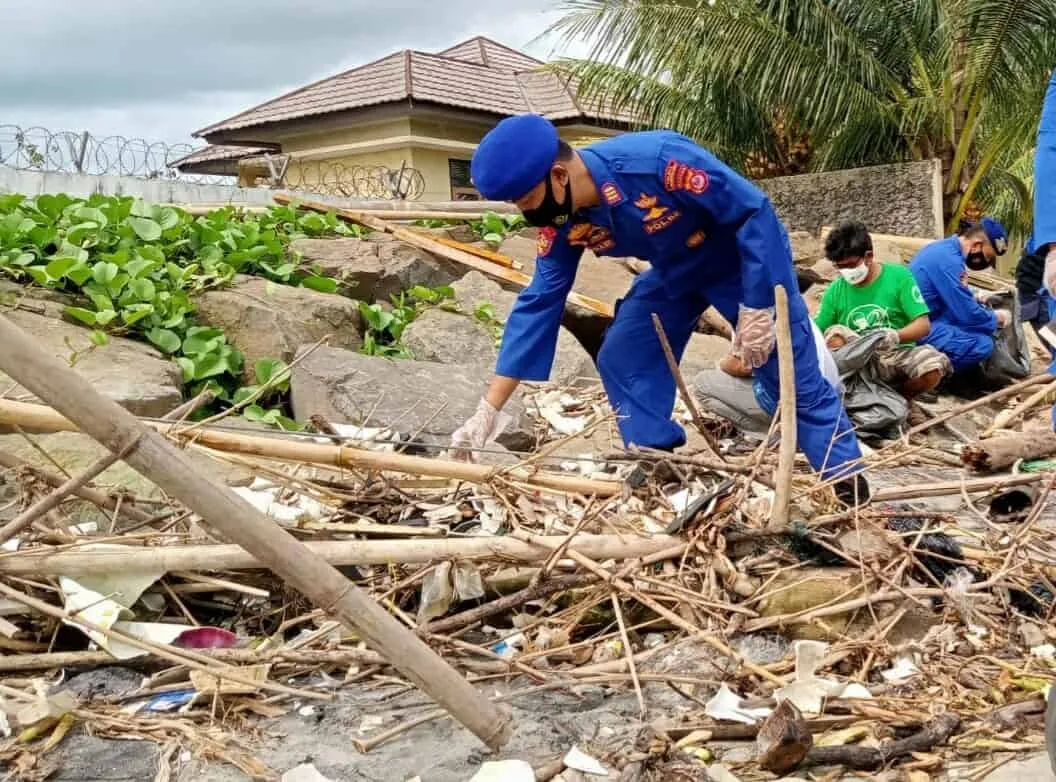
712, 238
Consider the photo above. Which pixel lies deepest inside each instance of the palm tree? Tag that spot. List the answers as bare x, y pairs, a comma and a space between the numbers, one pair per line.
860, 82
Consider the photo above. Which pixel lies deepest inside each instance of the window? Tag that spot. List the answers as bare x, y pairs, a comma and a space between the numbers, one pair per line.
461, 187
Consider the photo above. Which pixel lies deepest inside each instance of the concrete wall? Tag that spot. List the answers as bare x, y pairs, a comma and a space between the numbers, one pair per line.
902, 198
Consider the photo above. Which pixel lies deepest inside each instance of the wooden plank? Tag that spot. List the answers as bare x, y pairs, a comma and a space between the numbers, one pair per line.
429, 244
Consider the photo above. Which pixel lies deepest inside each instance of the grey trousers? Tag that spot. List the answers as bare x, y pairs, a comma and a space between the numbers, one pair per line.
731, 398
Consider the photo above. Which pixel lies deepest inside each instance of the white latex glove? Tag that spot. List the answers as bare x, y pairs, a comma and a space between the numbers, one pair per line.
755, 337
983, 297
891, 339
1049, 277
1004, 317
482, 427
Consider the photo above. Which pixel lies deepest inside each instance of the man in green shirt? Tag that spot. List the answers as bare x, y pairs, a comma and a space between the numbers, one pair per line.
870, 296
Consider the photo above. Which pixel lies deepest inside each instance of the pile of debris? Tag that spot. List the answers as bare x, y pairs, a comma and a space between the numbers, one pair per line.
568, 610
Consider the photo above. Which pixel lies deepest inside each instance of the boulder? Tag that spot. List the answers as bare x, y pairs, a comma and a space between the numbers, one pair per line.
424, 398
267, 320
463, 338
604, 279
377, 267
133, 374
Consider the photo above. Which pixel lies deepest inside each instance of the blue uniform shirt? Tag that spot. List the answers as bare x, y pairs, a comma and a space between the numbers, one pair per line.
1045, 172
940, 272
664, 199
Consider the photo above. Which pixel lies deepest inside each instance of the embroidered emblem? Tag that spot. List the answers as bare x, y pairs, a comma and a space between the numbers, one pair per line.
649, 203
679, 176
657, 216
593, 237
611, 194
545, 242
696, 239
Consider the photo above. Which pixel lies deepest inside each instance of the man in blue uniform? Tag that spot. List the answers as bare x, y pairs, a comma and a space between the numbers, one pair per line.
961, 326
711, 236
1043, 240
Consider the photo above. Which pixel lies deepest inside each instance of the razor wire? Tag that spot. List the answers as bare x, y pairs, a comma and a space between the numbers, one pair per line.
40, 149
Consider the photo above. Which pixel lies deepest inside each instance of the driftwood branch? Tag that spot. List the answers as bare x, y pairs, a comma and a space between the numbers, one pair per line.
787, 375
936, 732
1000, 453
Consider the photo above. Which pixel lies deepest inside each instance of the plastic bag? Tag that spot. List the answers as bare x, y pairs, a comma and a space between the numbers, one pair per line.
1010, 361
872, 405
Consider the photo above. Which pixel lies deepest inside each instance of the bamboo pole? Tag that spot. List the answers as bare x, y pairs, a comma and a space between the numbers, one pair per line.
947, 488
157, 459
45, 419
786, 458
429, 244
75, 562
1006, 417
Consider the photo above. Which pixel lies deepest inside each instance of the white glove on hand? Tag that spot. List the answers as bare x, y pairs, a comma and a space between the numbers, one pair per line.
891, 339
755, 337
1049, 276
482, 427
1004, 317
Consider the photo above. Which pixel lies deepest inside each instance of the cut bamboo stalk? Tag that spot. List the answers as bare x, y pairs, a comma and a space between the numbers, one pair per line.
480, 252
431, 245
73, 562
53, 500
197, 210
1006, 417
786, 458
44, 419
946, 488
157, 459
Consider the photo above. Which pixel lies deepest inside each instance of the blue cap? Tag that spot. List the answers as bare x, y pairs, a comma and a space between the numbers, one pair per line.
996, 233
513, 157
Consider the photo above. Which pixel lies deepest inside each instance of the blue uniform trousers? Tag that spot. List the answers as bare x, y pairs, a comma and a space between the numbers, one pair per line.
642, 391
964, 348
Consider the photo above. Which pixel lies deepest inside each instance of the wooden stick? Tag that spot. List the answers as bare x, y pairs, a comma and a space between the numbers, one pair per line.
936, 732
42, 418
946, 488
51, 380
680, 383
629, 652
786, 459
53, 500
74, 562
429, 244
1000, 453
1006, 417
480, 252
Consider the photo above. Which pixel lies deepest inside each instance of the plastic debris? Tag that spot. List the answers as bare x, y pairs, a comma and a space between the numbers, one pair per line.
728, 705
581, 761
265, 497
807, 692
903, 668
504, 771
437, 593
306, 772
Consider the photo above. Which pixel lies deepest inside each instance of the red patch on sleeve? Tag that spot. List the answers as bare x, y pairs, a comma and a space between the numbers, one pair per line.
545, 241
679, 176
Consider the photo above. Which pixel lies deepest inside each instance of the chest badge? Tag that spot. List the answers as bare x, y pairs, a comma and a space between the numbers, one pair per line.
545, 241
679, 176
611, 194
657, 217
594, 237
696, 239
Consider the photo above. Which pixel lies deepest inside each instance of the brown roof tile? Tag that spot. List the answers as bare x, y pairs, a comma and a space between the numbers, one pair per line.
478, 74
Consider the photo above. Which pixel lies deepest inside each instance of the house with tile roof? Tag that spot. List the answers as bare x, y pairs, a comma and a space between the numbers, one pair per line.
411, 110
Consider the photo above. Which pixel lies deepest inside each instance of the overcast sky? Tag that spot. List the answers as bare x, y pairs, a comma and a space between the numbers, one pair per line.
161, 69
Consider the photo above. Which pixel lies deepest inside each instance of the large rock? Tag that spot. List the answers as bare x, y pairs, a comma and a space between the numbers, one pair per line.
348, 387
377, 267
131, 373
604, 279
266, 320
461, 338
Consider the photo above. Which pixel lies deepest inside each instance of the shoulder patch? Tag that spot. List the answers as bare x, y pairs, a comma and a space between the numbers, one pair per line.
696, 239
611, 194
545, 242
679, 176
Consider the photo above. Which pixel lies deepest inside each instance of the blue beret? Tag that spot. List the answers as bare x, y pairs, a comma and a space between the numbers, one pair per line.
514, 157
996, 233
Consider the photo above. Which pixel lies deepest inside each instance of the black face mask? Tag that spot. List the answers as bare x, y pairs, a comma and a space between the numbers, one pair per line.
977, 262
549, 212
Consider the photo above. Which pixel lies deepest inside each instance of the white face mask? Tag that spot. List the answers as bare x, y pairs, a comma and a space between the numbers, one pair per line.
855, 274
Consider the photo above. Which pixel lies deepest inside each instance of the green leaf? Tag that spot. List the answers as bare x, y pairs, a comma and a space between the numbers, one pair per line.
211, 365
141, 208
143, 289
146, 229
186, 366
168, 218
268, 370
166, 340
244, 393
40, 276
493, 238
104, 317
57, 268
135, 313
84, 316
202, 339
105, 273
91, 214
80, 274
321, 284
78, 233
99, 337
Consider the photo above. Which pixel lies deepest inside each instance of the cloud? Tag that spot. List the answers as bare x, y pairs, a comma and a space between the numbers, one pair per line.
163, 68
